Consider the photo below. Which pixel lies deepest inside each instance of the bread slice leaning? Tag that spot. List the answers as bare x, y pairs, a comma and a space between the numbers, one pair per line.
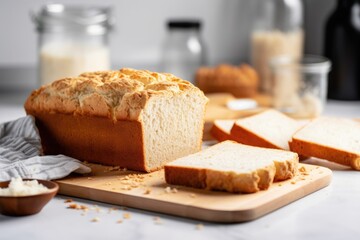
220, 130
229, 166
269, 129
333, 139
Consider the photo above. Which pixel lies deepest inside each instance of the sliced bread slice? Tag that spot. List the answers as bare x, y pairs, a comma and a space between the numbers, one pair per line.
220, 130
333, 139
229, 166
269, 129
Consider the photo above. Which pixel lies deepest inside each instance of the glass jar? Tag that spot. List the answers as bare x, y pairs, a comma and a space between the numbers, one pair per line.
183, 51
299, 87
277, 32
72, 40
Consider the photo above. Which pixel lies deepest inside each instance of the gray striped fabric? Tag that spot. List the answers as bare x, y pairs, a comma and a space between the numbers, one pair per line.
20, 150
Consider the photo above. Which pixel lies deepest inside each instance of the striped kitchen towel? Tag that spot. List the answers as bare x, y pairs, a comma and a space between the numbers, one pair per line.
20, 150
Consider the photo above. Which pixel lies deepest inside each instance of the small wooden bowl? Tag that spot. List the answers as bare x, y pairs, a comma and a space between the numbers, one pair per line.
27, 205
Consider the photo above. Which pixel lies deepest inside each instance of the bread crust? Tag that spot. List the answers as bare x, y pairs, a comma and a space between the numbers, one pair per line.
118, 95
111, 143
219, 134
320, 151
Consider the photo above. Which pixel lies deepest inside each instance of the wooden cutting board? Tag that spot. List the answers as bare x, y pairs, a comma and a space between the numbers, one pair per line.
150, 192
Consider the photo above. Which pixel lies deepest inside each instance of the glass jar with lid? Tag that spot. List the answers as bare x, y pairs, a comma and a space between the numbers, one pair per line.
72, 40
183, 50
277, 32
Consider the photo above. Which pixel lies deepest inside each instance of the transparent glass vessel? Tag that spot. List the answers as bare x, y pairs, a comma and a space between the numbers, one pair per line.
183, 50
277, 32
72, 40
299, 87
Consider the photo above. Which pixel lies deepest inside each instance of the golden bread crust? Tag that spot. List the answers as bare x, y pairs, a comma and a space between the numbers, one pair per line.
118, 95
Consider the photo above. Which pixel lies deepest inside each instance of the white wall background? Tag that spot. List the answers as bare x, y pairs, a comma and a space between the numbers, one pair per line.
140, 30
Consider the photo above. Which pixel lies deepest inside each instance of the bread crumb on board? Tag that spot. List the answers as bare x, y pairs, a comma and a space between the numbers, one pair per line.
147, 191
170, 190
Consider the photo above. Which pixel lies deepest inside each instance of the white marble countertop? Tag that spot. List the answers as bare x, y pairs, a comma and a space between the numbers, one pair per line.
330, 213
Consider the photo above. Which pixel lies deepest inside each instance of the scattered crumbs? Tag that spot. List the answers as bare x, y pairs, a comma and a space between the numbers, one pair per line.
74, 206
108, 183
168, 189
114, 208
293, 182
302, 178
126, 215
199, 226
147, 191
124, 208
279, 184
85, 208
126, 188
305, 174
69, 200
119, 221
317, 167
96, 219
302, 169
157, 220
97, 209
90, 178
193, 195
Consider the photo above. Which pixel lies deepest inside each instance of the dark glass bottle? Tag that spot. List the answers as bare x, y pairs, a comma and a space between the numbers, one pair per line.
342, 47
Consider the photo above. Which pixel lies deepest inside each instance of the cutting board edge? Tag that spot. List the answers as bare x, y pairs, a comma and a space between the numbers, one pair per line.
193, 212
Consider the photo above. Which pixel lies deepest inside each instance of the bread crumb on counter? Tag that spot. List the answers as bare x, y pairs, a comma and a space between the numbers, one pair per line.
119, 221
126, 215
96, 219
69, 200
199, 226
157, 220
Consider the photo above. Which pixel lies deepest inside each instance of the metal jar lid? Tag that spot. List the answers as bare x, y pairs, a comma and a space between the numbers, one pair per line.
64, 18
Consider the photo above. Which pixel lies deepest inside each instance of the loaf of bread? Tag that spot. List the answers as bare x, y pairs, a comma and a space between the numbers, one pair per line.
333, 139
130, 118
240, 81
230, 166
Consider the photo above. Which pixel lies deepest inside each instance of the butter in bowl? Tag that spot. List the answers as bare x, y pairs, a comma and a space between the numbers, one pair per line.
20, 197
